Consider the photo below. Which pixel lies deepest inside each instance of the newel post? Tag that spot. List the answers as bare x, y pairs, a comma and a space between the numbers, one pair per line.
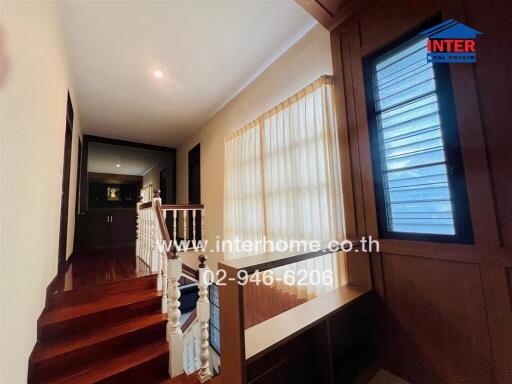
203, 315
174, 333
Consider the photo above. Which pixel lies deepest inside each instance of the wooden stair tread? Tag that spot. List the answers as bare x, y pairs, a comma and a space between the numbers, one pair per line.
45, 351
77, 311
117, 365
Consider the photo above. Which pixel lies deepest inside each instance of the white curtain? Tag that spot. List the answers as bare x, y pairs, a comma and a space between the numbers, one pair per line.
243, 192
298, 175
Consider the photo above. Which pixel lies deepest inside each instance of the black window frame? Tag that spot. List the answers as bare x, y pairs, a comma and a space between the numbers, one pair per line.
452, 150
210, 322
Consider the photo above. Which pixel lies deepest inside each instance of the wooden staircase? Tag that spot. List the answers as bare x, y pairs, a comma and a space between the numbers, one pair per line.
108, 333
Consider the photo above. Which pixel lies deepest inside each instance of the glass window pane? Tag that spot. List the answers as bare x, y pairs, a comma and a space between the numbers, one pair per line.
411, 149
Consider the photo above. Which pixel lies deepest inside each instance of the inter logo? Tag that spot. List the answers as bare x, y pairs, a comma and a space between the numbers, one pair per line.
451, 42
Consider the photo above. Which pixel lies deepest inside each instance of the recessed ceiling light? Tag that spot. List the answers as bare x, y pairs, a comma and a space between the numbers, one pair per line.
118, 165
158, 73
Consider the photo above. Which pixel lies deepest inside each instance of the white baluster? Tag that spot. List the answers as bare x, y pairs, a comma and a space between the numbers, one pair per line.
165, 283
144, 235
174, 334
195, 352
174, 214
147, 233
203, 315
185, 214
138, 229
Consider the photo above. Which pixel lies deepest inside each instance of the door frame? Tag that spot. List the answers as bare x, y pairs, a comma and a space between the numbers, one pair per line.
84, 180
66, 170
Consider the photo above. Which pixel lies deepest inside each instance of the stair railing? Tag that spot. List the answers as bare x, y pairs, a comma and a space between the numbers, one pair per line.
155, 248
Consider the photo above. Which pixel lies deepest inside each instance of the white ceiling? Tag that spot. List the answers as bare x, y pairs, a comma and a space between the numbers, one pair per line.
208, 51
102, 158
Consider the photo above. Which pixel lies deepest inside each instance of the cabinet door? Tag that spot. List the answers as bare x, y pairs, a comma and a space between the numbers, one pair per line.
94, 229
123, 226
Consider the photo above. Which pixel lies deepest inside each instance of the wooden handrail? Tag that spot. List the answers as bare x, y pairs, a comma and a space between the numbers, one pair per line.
189, 321
271, 260
163, 228
182, 206
146, 205
190, 271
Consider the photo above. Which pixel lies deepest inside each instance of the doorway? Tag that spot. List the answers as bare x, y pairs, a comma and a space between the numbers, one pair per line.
163, 185
64, 201
77, 195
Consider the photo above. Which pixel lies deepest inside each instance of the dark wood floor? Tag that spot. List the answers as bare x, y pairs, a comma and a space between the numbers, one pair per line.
99, 266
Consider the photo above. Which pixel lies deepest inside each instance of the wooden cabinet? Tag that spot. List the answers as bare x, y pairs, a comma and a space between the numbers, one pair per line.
107, 227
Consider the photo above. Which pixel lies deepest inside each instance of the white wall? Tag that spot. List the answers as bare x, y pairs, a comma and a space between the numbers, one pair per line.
300, 65
32, 119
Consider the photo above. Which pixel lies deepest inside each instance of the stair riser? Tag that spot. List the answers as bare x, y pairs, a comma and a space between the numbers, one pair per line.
85, 295
74, 361
151, 371
91, 321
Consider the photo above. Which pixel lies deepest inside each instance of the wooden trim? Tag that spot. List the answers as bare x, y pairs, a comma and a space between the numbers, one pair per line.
190, 271
84, 179
147, 205
163, 227
232, 340
111, 178
190, 320
272, 260
344, 141
167, 207
331, 19
125, 143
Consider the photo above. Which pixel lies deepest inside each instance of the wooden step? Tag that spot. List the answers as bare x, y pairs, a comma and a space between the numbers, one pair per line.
67, 322
102, 291
143, 364
51, 359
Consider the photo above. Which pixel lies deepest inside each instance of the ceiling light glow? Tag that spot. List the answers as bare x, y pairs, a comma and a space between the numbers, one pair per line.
158, 73
118, 165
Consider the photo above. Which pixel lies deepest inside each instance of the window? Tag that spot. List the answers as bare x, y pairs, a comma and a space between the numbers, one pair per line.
283, 172
418, 173
215, 317
283, 181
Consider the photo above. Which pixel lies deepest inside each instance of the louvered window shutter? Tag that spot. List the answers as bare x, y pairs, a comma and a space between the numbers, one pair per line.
409, 144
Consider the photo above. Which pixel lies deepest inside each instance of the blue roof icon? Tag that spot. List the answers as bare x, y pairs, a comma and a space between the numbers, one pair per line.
451, 29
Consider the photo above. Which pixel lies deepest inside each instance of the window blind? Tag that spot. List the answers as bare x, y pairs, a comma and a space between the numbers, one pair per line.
415, 181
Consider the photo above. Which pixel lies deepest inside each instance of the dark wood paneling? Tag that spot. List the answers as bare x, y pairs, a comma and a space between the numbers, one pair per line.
438, 323
334, 350
509, 278
330, 13
102, 227
447, 307
495, 99
110, 178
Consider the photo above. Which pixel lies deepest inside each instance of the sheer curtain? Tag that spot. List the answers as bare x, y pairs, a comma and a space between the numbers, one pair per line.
243, 190
299, 178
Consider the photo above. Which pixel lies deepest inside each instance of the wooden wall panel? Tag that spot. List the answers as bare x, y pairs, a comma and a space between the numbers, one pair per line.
447, 307
509, 278
439, 327
494, 83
